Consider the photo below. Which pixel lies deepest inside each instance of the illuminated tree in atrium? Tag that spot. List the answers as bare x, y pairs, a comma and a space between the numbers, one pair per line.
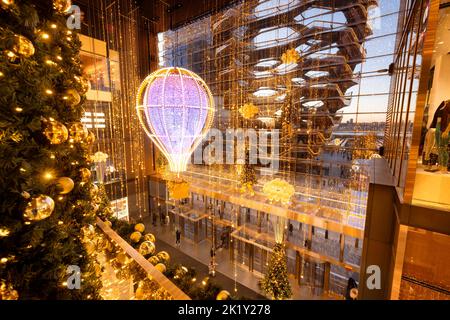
364, 146
276, 282
47, 196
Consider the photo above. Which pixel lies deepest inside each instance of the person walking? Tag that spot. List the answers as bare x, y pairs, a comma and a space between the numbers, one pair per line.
178, 237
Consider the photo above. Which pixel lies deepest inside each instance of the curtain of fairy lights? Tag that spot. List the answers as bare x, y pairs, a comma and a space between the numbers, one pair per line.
105, 118
122, 27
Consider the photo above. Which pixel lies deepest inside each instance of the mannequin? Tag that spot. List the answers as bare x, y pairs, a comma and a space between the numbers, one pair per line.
441, 119
442, 112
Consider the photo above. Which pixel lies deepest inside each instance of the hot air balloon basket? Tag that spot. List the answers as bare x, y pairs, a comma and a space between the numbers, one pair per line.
178, 189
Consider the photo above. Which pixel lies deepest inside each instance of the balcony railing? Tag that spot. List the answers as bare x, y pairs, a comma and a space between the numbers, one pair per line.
159, 282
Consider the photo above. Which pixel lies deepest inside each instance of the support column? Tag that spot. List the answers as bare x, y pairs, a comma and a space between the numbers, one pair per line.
326, 277
341, 247
309, 236
300, 268
196, 231
258, 214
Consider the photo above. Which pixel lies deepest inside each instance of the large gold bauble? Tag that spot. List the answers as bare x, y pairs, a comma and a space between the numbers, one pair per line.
78, 132
154, 260
147, 248
90, 139
150, 237
161, 267
139, 227
6, 3
139, 294
22, 46
65, 184
72, 97
40, 207
163, 256
56, 132
62, 6
84, 83
85, 174
123, 258
136, 236
223, 295
7, 292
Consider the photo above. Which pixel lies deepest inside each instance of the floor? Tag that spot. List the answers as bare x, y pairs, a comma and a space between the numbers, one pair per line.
228, 275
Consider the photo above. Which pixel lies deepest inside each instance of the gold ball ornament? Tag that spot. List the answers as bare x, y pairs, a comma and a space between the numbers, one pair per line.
135, 236
154, 260
161, 267
65, 184
7, 292
123, 258
90, 139
5, 3
40, 207
163, 256
78, 132
22, 46
223, 295
84, 83
56, 132
98, 269
85, 174
147, 248
72, 97
150, 237
62, 6
139, 294
139, 227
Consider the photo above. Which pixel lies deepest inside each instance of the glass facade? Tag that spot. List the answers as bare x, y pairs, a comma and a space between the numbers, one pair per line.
328, 100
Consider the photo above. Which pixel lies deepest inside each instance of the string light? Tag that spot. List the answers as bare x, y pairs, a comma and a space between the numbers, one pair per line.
49, 92
4, 232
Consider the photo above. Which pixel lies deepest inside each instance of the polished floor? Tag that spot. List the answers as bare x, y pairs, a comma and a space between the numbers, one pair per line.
229, 272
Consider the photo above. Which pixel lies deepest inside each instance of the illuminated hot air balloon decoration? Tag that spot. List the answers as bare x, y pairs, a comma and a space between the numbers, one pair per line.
176, 110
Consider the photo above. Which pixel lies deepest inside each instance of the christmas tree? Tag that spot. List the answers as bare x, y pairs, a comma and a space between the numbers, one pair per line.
47, 196
276, 282
247, 175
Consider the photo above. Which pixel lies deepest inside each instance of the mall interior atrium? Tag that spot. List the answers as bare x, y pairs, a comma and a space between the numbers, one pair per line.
224, 150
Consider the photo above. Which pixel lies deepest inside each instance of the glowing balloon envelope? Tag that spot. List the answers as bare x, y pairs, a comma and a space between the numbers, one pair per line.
176, 110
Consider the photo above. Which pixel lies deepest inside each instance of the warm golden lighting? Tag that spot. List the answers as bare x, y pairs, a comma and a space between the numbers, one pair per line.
45, 36
48, 175
53, 26
248, 110
18, 109
10, 54
279, 190
50, 62
49, 92
4, 232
